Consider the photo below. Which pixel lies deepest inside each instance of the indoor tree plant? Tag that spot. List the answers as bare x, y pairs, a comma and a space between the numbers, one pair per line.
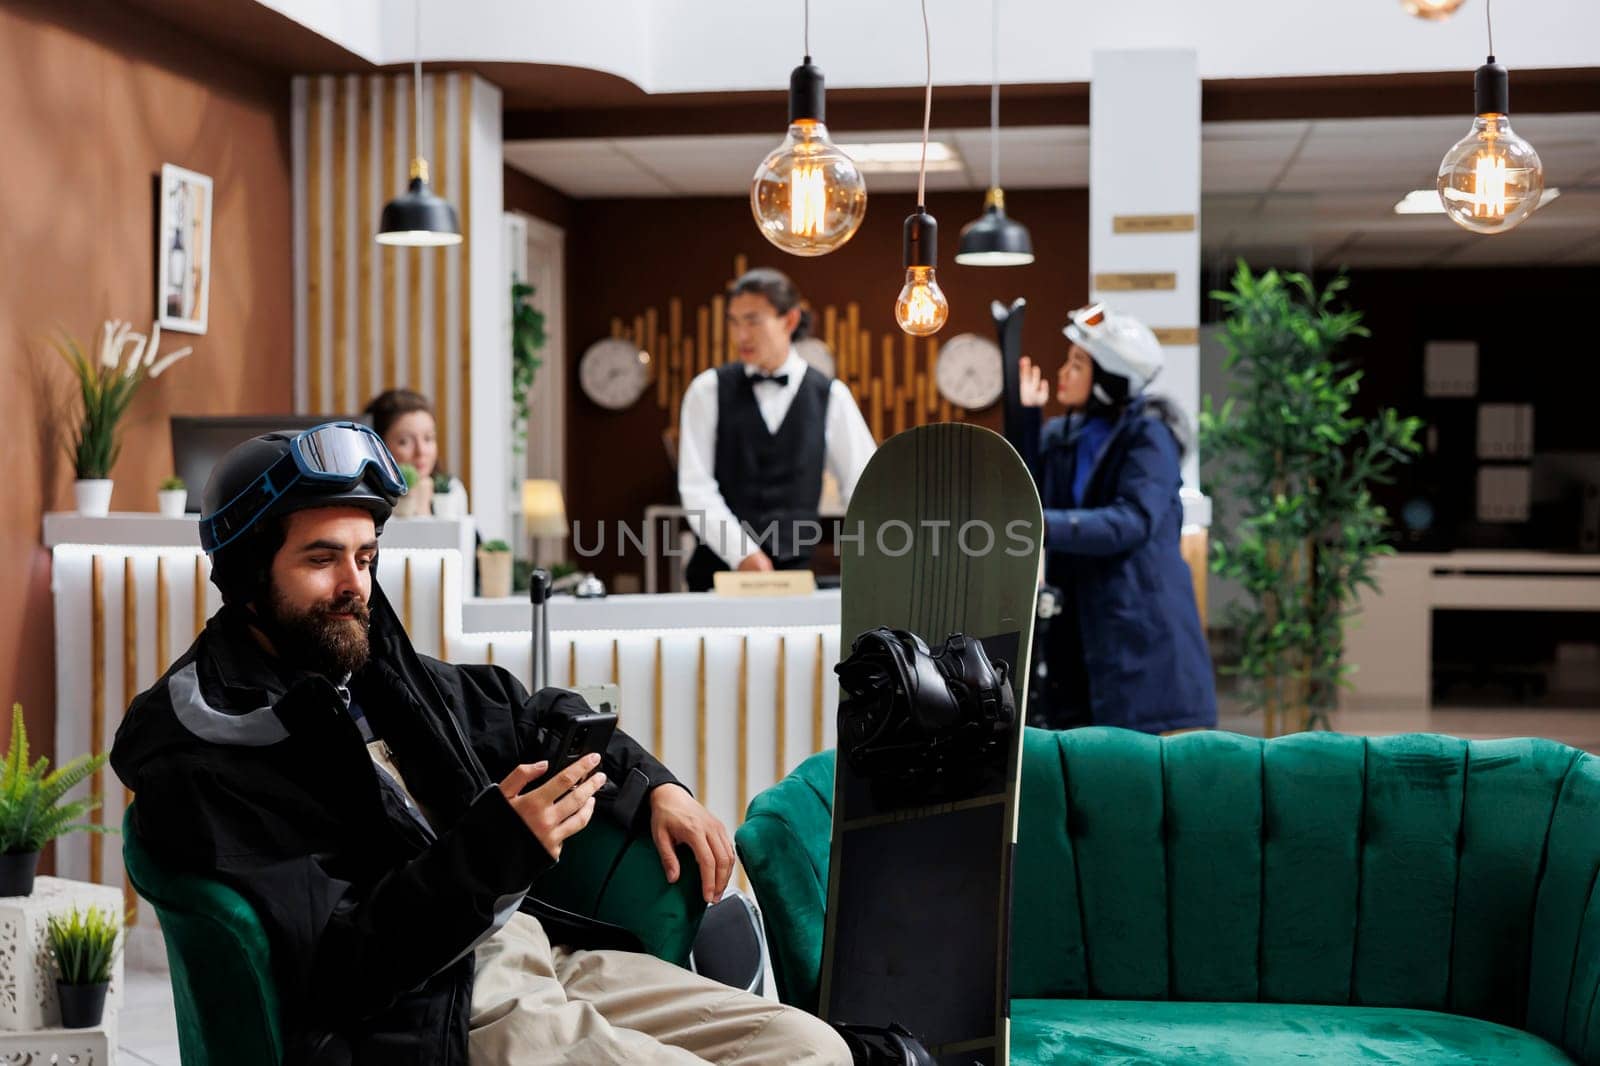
1286, 449
107, 384
527, 337
172, 497
84, 945
31, 809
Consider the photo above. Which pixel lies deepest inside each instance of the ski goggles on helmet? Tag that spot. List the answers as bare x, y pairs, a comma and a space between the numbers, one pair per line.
1085, 322
334, 454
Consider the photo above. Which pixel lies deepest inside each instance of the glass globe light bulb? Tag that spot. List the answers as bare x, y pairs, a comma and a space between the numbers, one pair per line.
1435, 10
1491, 179
808, 197
921, 308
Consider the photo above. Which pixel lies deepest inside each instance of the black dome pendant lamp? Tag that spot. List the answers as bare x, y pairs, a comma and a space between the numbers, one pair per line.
995, 239
417, 218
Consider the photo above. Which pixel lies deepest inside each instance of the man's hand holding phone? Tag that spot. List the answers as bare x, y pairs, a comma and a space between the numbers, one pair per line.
561, 806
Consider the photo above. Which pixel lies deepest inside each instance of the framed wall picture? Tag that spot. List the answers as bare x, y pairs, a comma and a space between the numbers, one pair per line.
183, 250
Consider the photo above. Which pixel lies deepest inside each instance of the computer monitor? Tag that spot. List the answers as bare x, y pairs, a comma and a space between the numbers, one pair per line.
198, 441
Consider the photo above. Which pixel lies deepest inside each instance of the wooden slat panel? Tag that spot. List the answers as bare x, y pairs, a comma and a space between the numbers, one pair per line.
702, 339
443, 186
464, 203
781, 712
405, 596
816, 697
742, 756
391, 188
658, 728
414, 257
719, 339
97, 705
337, 222
444, 644
163, 643
700, 768
130, 689
199, 594
316, 356
366, 228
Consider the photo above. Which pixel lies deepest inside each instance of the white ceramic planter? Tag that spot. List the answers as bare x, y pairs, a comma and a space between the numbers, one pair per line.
172, 502
94, 496
448, 505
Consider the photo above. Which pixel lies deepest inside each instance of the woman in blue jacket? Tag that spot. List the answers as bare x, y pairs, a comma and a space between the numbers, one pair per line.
1127, 649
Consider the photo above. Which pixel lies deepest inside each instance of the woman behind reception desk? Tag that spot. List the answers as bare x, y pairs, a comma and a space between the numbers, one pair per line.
755, 437
404, 419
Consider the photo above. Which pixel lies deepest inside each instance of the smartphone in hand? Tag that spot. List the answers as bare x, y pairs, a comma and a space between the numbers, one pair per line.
579, 735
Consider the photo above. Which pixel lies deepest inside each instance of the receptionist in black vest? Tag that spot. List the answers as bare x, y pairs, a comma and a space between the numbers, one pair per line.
756, 436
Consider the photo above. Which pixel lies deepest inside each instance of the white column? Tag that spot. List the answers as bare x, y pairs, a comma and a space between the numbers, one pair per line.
491, 312
1144, 164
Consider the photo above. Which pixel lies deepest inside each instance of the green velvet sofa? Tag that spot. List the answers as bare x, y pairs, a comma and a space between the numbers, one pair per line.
221, 963
1213, 898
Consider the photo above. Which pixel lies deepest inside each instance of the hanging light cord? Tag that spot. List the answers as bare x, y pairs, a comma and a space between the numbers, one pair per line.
808, 29
994, 96
1488, 21
927, 109
416, 83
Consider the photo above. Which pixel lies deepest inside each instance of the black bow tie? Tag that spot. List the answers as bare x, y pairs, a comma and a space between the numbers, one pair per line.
776, 379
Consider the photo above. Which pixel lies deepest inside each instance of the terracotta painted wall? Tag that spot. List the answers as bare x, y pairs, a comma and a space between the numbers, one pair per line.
98, 97
627, 255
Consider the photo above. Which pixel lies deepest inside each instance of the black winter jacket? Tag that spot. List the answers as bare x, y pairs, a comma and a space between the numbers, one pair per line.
254, 774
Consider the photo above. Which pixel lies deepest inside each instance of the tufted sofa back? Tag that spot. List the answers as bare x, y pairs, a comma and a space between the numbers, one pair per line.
1409, 871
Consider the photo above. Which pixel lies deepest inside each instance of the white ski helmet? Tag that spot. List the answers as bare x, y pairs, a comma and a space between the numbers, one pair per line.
1122, 345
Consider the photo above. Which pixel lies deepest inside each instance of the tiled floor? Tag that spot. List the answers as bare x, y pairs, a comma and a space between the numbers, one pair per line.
148, 1030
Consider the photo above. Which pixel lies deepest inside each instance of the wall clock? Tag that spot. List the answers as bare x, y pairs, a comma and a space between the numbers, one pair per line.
969, 371
614, 373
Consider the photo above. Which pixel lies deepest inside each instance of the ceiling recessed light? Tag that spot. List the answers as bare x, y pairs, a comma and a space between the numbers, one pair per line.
1427, 202
901, 157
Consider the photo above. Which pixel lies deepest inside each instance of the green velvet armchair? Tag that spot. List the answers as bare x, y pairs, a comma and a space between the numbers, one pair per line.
220, 961
1210, 897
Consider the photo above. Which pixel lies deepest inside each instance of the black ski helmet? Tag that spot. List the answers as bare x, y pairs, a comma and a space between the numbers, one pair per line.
240, 568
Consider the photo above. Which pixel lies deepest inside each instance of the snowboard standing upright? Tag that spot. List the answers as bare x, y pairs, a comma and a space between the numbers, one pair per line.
948, 535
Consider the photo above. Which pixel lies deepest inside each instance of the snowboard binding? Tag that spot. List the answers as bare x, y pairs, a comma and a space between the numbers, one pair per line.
924, 726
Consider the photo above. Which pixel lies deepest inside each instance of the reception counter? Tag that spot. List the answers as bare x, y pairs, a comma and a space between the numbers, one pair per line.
730, 692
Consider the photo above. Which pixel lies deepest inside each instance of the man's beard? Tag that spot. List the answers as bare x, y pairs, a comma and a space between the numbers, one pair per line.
312, 639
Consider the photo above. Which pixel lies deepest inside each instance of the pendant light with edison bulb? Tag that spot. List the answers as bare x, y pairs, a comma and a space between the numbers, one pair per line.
808, 197
921, 308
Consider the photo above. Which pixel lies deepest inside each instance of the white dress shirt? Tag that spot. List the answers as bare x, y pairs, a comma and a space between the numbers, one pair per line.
847, 445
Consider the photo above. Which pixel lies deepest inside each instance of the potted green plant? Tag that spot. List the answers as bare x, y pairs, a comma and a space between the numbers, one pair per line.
494, 569
106, 385
32, 812
411, 503
84, 945
172, 497
1285, 447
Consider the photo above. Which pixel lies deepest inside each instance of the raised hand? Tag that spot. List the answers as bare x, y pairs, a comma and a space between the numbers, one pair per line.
1034, 389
